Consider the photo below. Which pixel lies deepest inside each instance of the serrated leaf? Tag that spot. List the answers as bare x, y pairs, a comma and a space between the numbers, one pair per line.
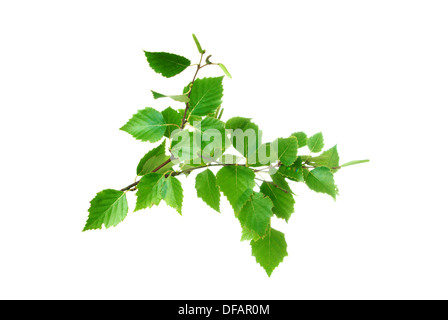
301, 138
270, 251
283, 202
152, 160
172, 193
146, 125
287, 150
207, 189
293, 172
321, 180
329, 158
256, 213
149, 191
108, 208
198, 45
167, 64
223, 67
237, 183
206, 96
248, 234
179, 98
316, 142
351, 163
245, 137
173, 119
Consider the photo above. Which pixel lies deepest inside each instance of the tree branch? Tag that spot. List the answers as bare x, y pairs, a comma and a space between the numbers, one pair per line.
131, 186
187, 105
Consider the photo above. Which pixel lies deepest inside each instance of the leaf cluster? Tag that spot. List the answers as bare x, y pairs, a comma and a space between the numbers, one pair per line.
257, 189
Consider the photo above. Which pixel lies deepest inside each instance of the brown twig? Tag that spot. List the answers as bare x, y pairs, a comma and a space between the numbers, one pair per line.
131, 186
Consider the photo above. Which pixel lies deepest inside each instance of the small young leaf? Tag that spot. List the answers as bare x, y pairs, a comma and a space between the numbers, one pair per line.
316, 142
109, 207
237, 183
270, 251
206, 96
283, 202
301, 138
350, 163
167, 64
207, 189
149, 191
146, 125
256, 213
172, 193
179, 98
198, 45
173, 119
152, 160
321, 180
223, 67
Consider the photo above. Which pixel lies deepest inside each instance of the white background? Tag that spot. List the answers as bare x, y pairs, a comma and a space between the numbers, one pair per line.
372, 75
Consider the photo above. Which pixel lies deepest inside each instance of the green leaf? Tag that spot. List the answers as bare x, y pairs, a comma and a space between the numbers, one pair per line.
283, 202
180, 98
293, 172
198, 45
256, 213
173, 119
350, 163
109, 207
266, 155
245, 137
167, 64
321, 180
270, 251
210, 130
248, 234
146, 125
329, 158
287, 150
206, 96
207, 189
152, 160
184, 147
237, 183
149, 191
154, 187
172, 193
316, 142
223, 67
301, 138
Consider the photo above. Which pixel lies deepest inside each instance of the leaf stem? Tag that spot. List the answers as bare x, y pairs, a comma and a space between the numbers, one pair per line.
131, 186
187, 105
